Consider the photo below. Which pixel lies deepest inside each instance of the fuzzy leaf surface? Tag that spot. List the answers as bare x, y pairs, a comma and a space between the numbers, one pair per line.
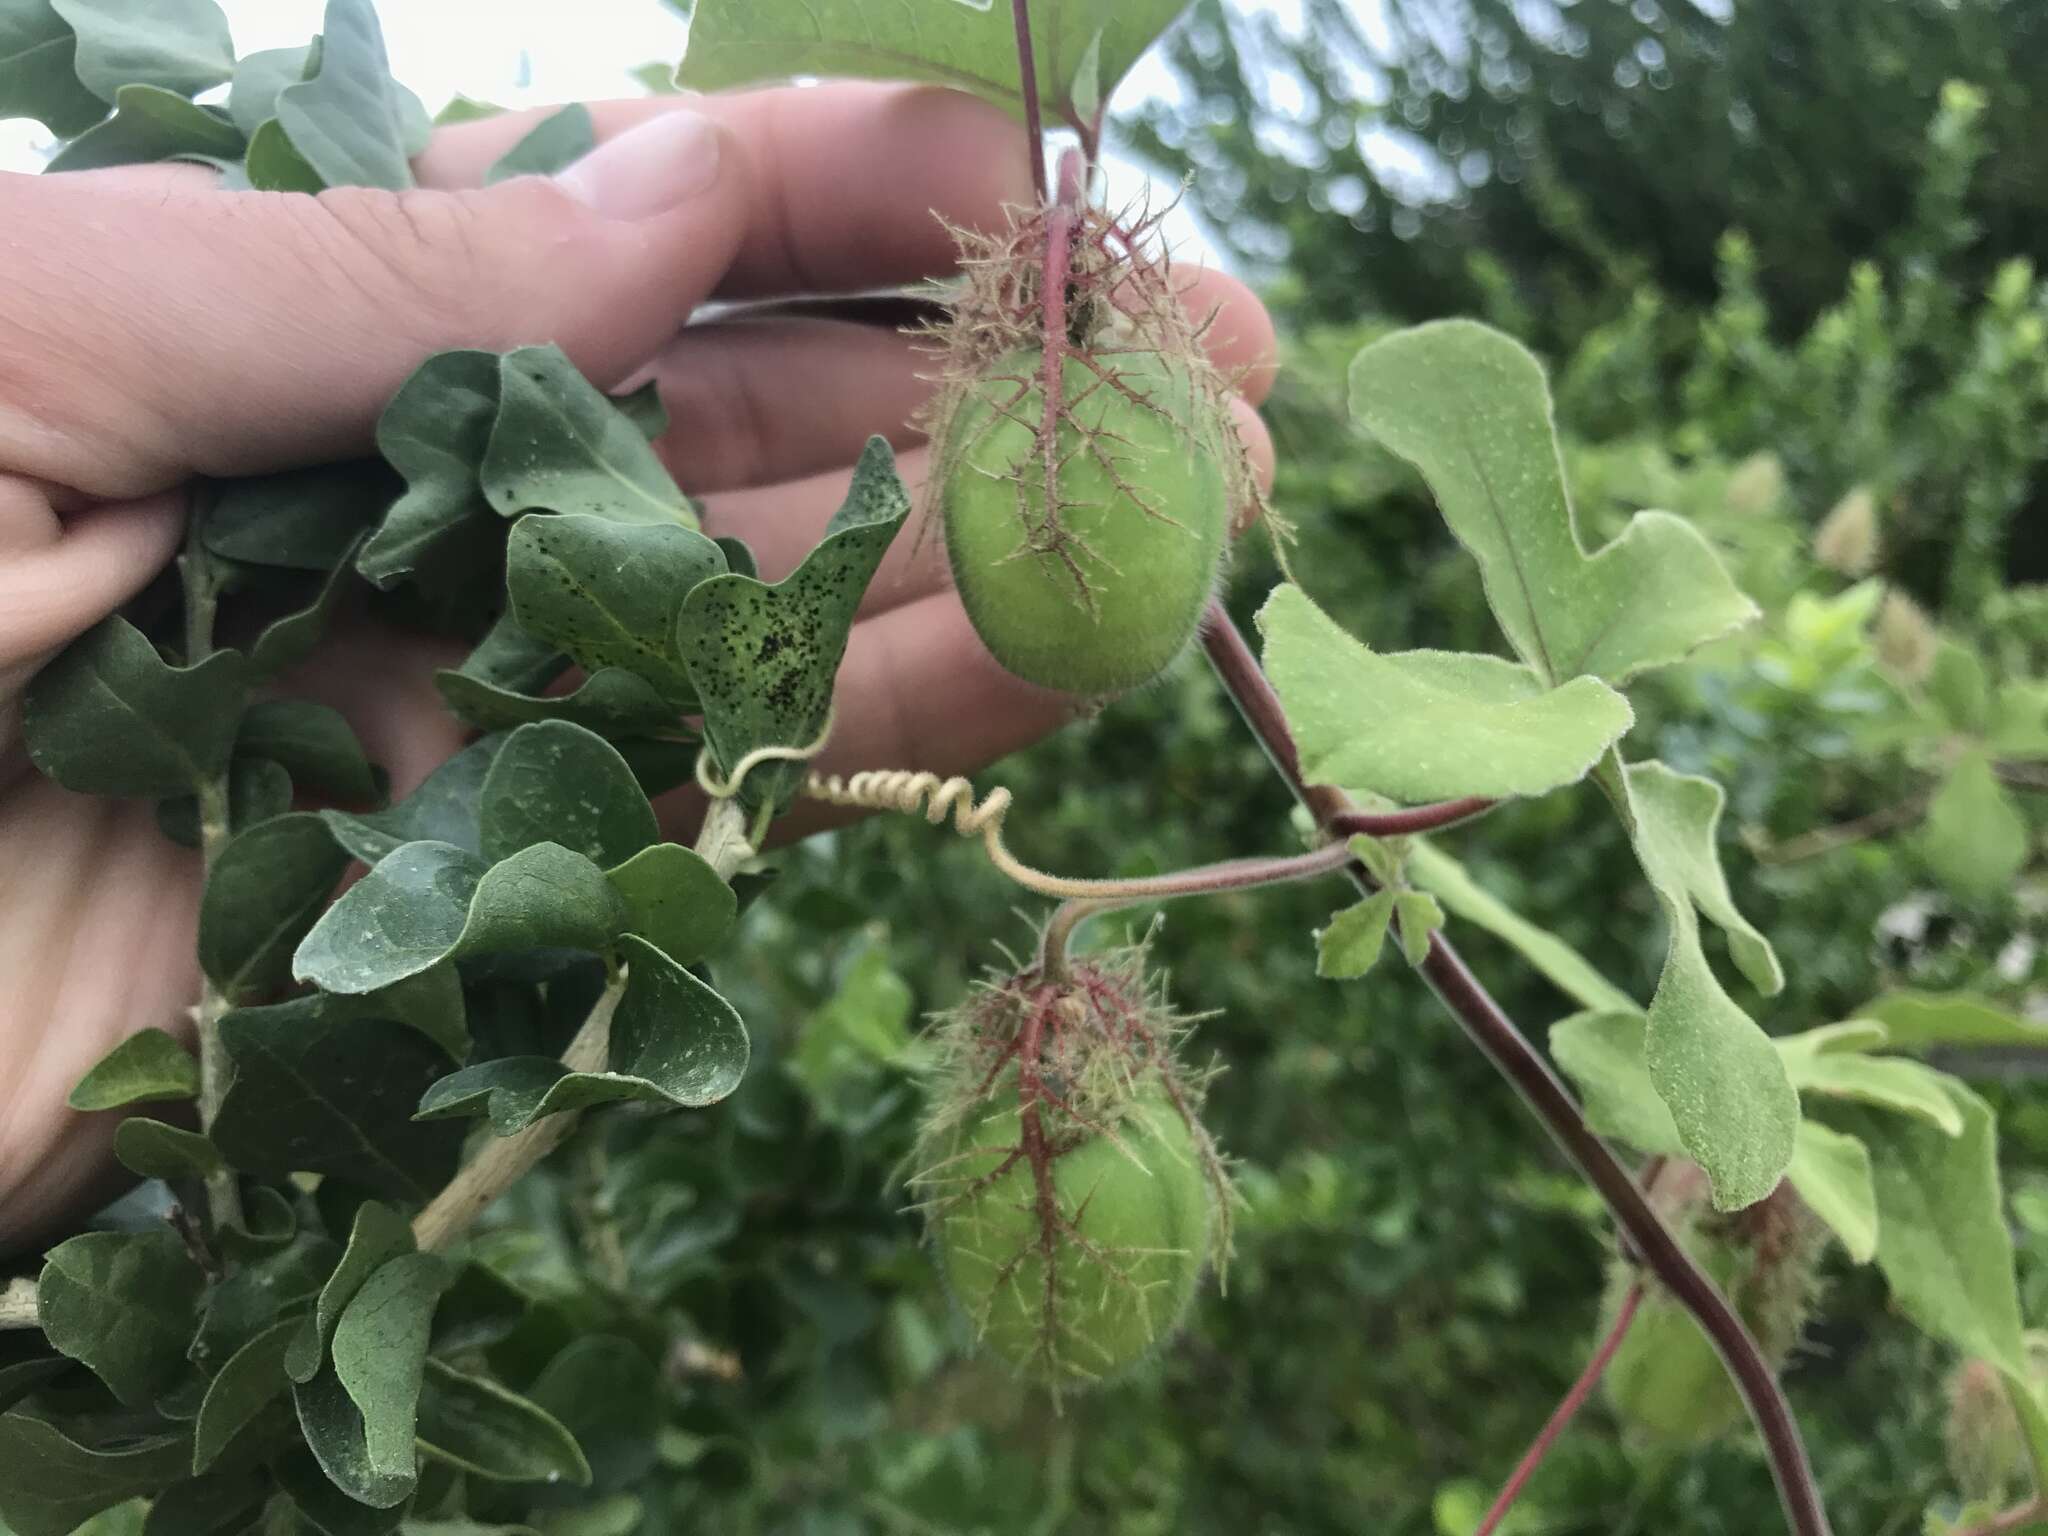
322, 1089
1942, 1240
491, 1432
38, 70
349, 120
377, 1234
1726, 1085
556, 142
1447, 879
1833, 1175
562, 445
675, 901
124, 1304
554, 782
609, 594
1885, 1082
251, 1381
339, 1440
380, 1353
111, 717
1428, 725
176, 45
959, 43
430, 902
1918, 1021
763, 658
150, 1065
435, 433
149, 124
265, 892
1351, 945
1469, 408
50, 1483
1602, 1053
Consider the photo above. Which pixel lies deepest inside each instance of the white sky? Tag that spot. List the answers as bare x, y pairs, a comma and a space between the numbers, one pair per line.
540, 52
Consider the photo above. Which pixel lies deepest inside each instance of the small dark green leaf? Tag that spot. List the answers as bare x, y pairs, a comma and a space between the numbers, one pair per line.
334, 1431
558, 783
297, 519
146, 1067
178, 45
224, 1504
435, 433
676, 901
763, 658
322, 1508
430, 902
606, 1392
674, 1041
431, 1003
264, 1289
380, 1351
124, 1304
110, 717
318, 1091
609, 593
50, 1483
348, 120
644, 409
267, 889
289, 640
252, 97
313, 743
558, 141
613, 702
149, 124
253, 1378
441, 810
377, 1235
154, 1150
1351, 945
561, 445
508, 657
38, 70
477, 1310
479, 1426
272, 163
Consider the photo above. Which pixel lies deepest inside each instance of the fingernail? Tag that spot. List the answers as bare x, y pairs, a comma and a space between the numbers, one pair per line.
650, 169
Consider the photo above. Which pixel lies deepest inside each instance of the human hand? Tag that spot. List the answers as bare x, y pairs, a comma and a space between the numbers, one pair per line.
155, 328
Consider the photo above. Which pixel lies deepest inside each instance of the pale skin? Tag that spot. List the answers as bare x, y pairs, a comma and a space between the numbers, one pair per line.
154, 327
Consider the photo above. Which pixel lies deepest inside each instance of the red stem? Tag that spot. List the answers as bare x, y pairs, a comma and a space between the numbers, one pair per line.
1564, 1413
1418, 818
1526, 1071
1027, 80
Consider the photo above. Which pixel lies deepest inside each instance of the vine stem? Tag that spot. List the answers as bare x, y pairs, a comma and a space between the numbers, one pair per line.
722, 843
1530, 1076
18, 1305
1562, 1416
202, 596
1205, 880
1405, 823
1027, 82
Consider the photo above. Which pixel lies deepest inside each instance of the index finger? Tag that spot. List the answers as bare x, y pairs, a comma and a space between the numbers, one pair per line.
850, 181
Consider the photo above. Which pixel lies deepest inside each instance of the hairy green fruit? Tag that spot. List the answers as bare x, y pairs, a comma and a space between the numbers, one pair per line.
1097, 587
1666, 1383
1074, 1197
1986, 1453
1134, 1213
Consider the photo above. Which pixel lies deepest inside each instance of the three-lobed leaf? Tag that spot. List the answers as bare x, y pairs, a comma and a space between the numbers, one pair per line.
561, 444
150, 124
111, 717
1735, 1108
349, 120
181, 46
38, 70
1469, 408
1428, 725
763, 658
